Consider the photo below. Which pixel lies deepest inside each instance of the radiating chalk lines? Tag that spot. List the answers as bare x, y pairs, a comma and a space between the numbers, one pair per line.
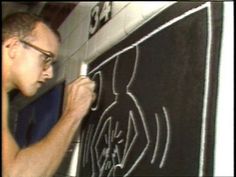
87, 142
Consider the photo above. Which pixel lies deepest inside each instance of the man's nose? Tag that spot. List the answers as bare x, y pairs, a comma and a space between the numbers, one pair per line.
48, 73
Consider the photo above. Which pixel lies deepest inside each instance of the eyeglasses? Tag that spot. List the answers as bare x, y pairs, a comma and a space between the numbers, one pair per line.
49, 56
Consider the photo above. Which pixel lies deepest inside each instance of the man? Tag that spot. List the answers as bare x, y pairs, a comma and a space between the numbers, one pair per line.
29, 47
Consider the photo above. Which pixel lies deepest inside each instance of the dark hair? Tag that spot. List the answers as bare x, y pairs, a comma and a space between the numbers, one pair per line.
22, 24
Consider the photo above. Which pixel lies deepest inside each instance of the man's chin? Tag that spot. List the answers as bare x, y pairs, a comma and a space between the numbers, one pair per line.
29, 93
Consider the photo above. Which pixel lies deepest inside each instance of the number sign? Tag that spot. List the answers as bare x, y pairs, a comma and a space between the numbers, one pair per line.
100, 14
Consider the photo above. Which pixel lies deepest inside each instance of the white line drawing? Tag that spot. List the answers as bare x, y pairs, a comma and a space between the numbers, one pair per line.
87, 143
119, 144
157, 139
207, 6
90, 131
167, 144
128, 148
206, 93
85, 147
168, 137
83, 140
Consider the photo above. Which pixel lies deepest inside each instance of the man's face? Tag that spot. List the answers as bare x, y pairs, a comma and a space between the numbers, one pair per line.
32, 65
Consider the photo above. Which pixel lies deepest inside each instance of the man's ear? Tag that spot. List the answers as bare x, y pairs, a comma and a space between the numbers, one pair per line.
12, 45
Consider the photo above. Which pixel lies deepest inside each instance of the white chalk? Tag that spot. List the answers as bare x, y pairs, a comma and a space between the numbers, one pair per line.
83, 69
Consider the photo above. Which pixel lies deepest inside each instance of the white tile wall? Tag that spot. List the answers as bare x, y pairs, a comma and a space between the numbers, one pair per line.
133, 16
59, 72
63, 51
110, 34
78, 37
67, 74
117, 6
151, 8
91, 47
75, 18
73, 64
85, 8
79, 57
64, 29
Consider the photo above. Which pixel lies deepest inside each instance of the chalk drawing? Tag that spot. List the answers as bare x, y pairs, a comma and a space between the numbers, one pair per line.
168, 137
157, 139
86, 139
167, 144
118, 141
112, 157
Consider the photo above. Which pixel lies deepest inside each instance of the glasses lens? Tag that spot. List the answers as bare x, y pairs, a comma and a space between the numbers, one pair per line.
47, 62
48, 59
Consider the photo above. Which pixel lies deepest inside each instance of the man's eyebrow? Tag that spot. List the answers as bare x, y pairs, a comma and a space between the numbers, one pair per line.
45, 52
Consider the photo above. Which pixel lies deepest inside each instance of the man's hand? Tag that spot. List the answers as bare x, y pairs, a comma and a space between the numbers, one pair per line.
79, 97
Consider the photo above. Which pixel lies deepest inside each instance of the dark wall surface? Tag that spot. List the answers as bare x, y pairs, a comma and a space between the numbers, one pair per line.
156, 98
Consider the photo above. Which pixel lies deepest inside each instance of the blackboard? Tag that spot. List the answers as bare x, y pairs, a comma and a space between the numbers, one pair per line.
156, 98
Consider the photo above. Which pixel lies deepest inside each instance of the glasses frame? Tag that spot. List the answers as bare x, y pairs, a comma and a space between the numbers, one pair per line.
49, 56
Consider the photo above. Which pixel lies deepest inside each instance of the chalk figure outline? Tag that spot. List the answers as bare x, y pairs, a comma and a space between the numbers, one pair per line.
205, 5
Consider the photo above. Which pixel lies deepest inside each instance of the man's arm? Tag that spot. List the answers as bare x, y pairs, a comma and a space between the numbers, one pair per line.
43, 158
